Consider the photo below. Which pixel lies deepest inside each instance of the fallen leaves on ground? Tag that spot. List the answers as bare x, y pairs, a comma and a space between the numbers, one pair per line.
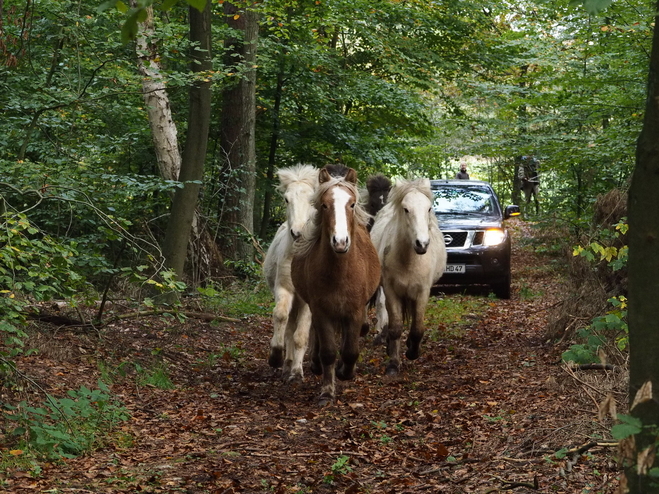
482, 410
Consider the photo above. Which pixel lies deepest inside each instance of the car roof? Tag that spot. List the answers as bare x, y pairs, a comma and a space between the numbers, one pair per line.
459, 181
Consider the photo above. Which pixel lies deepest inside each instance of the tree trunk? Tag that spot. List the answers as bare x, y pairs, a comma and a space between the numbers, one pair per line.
156, 100
272, 155
640, 450
194, 154
237, 139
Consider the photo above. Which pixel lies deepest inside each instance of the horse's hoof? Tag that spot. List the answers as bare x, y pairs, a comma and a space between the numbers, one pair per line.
392, 370
365, 329
343, 374
413, 349
325, 400
293, 377
276, 358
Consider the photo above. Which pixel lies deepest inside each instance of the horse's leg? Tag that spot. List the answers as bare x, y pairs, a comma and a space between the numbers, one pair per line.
327, 355
394, 332
316, 366
365, 324
299, 341
283, 304
349, 349
382, 317
417, 328
296, 339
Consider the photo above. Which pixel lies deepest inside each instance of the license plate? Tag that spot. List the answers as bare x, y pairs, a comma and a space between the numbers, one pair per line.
455, 268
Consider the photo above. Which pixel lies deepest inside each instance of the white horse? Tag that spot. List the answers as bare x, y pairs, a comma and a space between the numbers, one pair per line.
413, 257
291, 319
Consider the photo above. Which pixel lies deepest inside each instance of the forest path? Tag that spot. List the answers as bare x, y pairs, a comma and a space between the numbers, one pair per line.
484, 409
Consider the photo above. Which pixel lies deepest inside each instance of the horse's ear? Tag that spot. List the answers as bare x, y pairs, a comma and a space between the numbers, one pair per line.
351, 176
324, 176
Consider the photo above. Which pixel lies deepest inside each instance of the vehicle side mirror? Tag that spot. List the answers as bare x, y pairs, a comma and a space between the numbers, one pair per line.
511, 211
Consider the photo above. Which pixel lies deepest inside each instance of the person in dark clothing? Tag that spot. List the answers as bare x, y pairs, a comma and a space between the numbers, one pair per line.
463, 172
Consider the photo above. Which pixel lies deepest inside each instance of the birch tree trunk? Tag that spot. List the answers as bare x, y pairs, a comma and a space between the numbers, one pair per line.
201, 247
156, 100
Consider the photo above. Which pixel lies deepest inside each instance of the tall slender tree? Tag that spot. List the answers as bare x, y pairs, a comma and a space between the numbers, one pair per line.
641, 449
237, 139
183, 207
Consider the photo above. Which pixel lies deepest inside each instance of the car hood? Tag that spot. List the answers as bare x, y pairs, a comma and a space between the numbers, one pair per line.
463, 222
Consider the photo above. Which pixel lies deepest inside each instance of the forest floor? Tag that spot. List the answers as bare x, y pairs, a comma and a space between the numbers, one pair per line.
488, 407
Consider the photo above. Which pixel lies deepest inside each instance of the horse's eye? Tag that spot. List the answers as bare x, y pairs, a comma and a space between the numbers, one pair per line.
407, 210
325, 206
286, 200
352, 206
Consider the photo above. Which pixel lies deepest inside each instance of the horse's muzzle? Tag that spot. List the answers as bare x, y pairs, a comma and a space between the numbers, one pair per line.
420, 247
340, 246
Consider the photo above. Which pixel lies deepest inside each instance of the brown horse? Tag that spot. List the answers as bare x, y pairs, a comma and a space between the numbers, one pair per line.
335, 270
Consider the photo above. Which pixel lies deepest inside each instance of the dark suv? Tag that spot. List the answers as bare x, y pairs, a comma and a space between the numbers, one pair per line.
477, 244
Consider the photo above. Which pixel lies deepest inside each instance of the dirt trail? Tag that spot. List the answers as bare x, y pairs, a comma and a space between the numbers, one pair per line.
484, 409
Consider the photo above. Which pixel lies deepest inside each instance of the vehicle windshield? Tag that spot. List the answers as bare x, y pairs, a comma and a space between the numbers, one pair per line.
467, 199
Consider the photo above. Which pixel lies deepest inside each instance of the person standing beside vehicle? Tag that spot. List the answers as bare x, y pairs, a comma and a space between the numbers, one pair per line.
462, 174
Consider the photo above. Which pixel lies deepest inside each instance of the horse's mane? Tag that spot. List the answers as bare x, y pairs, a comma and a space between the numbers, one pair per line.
312, 231
402, 187
297, 173
398, 191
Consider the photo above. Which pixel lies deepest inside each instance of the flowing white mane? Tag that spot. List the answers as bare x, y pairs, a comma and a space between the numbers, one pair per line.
298, 173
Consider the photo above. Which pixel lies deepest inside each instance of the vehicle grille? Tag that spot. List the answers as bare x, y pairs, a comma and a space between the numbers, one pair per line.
463, 239
455, 239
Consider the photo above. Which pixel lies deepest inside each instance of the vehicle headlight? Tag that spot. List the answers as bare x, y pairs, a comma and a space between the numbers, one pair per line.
493, 237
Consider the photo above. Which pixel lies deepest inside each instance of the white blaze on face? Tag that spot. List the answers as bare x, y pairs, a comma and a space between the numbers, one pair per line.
341, 237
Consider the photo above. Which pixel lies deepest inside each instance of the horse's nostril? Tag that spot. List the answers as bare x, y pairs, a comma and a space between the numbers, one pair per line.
295, 234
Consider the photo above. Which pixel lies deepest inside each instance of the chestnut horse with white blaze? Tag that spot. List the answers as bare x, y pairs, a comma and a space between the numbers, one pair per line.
335, 270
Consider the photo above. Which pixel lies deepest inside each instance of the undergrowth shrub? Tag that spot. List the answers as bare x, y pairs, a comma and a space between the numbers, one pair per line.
64, 427
606, 338
596, 272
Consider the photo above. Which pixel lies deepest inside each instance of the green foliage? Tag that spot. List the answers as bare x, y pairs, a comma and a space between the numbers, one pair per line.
35, 263
65, 427
31, 264
628, 426
238, 299
446, 316
340, 467
246, 269
609, 329
616, 257
156, 376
